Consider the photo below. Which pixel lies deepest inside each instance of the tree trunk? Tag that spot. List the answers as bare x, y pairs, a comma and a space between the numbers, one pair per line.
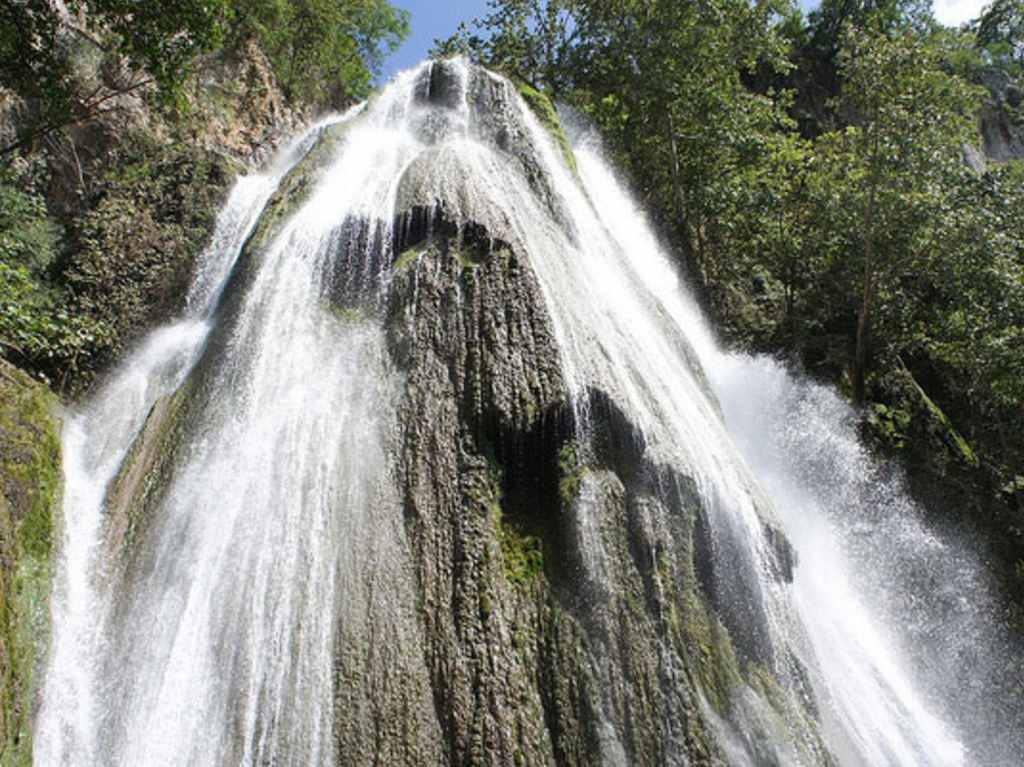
860, 360
692, 246
861, 353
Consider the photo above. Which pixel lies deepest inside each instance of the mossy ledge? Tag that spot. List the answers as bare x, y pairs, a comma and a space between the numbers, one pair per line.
30, 492
544, 109
295, 189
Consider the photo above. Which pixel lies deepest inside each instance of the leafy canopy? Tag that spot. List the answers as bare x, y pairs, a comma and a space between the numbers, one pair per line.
324, 52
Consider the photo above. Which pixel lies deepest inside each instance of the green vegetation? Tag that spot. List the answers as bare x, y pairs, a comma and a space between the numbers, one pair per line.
150, 44
521, 553
324, 53
36, 324
407, 259
102, 215
1000, 33
717, 668
29, 497
73, 294
571, 472
543, 107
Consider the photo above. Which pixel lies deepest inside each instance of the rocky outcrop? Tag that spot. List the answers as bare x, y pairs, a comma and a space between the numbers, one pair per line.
30, 482
565, 589
1002, 118
133, 194
241, 111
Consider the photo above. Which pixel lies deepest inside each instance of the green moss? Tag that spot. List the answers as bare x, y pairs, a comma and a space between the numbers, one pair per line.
468, 259
944, 427
349, 315
541, 105
890, 424
790, 717
717, 667
572, 472
406, 259
522, 553
30, 485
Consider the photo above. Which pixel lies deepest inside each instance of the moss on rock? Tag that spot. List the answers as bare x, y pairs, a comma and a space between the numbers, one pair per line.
406, 259
30, 488
522, 553
544, 109
295, 189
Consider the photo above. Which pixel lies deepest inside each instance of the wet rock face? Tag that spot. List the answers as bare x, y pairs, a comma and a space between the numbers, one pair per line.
562, 615
442, 86
565, 601
474, 103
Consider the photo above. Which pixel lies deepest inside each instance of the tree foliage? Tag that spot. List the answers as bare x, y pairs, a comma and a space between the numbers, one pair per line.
36, 324
155, 41
898, 164
830, 20
324, 52
1000, 31
529, 39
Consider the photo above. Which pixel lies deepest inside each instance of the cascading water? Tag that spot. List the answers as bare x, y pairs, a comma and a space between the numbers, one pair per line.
214, 638
74, 723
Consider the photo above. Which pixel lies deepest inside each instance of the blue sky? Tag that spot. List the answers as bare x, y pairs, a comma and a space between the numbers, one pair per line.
432, 19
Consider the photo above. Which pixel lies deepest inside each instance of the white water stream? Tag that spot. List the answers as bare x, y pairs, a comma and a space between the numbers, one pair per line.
221, 654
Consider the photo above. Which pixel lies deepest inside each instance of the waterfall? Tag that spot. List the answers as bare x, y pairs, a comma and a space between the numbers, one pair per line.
75, 724
233, 530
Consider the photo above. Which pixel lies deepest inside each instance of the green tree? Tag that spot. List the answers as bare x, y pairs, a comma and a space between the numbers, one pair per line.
156, 41
36, 327
665, 82
1000, 31
324, 52
528, 39
829, 20
894, 167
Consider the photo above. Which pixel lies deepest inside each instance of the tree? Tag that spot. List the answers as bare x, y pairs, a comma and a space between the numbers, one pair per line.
528, 39
156, 41
1000, 31
324, 52
664, 81
832, 17
896, 165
